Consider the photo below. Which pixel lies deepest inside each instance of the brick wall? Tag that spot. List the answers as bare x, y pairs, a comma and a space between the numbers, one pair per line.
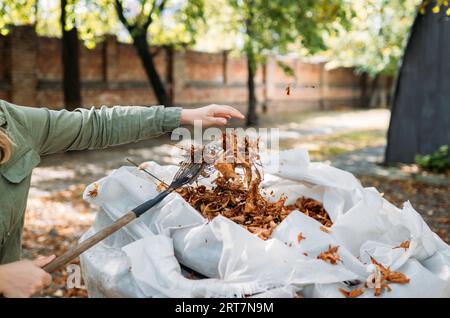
31, 73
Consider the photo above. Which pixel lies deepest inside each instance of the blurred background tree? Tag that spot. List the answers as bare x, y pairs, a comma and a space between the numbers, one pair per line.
159, 14
69, 19
373, 42
278, 26
420, 118
22, 12
70, 56
369, 35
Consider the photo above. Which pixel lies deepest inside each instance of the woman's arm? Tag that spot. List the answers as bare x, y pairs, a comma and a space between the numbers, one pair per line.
57, 131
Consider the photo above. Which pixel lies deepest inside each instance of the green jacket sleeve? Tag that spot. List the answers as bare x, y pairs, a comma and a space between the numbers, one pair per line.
56, 131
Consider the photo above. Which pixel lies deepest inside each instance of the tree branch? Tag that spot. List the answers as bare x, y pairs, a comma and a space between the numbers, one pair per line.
121, 15
160, 8
149, 17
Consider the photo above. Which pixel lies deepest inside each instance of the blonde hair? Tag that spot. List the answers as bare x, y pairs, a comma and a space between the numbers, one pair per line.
5, 147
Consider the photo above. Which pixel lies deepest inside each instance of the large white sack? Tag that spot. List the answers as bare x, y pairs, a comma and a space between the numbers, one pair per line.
142, 260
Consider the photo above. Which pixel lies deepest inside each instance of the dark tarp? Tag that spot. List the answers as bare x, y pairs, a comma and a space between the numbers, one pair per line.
420, 120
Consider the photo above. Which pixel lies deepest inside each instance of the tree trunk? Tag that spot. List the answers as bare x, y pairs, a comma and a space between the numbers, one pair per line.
368, 87
141, 45
372, 102
364, 91
390, 87
70, 63
420, 118
252, 116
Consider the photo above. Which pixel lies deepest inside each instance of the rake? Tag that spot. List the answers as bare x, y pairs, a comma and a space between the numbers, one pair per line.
186, 174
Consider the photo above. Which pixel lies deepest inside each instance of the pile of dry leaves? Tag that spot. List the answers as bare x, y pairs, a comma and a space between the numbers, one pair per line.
236, 192
379, 280
236, 195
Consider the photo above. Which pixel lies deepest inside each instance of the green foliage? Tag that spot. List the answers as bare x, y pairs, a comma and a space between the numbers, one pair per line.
222, 30
93, 19
178, 24
278, 26
16, 12
378, 31
367, 34
438, 161
286, 68
375, 40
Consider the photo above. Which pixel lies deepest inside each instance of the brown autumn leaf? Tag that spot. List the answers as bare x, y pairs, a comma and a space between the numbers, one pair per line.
397, 278
404, 245
325, 229
393, 277
443, 220
382, 276
312, 208
161, 187
352, 293
227, 170
331, 255
300, 237
94, 192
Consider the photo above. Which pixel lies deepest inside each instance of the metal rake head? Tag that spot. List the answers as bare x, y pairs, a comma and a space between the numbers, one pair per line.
190, 169
187, 173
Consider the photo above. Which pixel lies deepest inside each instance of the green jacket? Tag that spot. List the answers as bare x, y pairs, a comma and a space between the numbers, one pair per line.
36, 132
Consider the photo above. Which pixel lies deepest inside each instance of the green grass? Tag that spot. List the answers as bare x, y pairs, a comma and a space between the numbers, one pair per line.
328, 147
327, 152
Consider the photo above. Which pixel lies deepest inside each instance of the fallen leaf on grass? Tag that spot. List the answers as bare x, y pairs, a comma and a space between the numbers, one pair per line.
443, 220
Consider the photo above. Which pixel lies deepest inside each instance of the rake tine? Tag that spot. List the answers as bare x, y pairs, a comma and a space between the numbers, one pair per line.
147, 172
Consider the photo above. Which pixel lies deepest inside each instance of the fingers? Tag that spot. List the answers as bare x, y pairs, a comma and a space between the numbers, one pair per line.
210, 115
42, 280
226, 116
227, 111
218, 121
41, 261
46, 279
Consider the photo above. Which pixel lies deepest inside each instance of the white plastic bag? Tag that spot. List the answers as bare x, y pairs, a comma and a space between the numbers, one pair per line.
142, 260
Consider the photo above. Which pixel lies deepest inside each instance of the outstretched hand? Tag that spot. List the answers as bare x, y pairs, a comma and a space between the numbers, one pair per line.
212, 115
